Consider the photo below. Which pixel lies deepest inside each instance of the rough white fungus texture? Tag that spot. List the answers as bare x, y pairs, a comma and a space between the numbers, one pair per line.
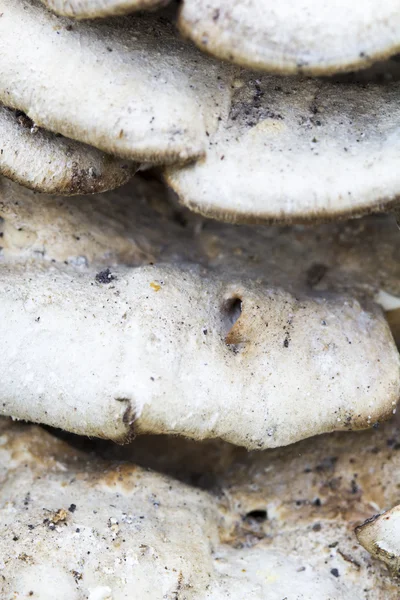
290, 36
205, 325
53, 164
75, 526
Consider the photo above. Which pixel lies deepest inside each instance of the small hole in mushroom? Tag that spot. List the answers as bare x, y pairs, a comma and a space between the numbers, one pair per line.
315, 274
232, 309
258, 515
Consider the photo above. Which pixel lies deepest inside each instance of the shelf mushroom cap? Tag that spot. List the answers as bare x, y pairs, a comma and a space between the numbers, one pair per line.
52, 164
292, 36
119, 85
94, 9
185, 340
297, 150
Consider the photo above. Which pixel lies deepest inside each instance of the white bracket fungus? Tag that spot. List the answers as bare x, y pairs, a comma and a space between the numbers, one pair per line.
265, 146
293, 150
187, 344
75, 526
53, 164
127, 86
291, 36
91, 9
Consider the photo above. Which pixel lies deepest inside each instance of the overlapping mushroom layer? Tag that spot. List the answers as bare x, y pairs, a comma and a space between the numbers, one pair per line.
124, 313
188, 340
89, 9
294, 36
53, 164
286, 37
80, 527
264, 147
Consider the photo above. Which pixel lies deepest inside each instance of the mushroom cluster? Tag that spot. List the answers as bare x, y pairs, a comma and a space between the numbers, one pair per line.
199, 273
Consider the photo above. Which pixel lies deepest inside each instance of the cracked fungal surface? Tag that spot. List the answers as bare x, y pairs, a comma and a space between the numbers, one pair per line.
206, 324
271, 523
49, 163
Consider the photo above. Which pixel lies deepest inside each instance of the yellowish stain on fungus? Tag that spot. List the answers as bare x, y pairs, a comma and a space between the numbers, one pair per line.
155, 286
60, 515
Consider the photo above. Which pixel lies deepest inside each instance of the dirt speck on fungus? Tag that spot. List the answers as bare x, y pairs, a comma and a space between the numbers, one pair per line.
105, 276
